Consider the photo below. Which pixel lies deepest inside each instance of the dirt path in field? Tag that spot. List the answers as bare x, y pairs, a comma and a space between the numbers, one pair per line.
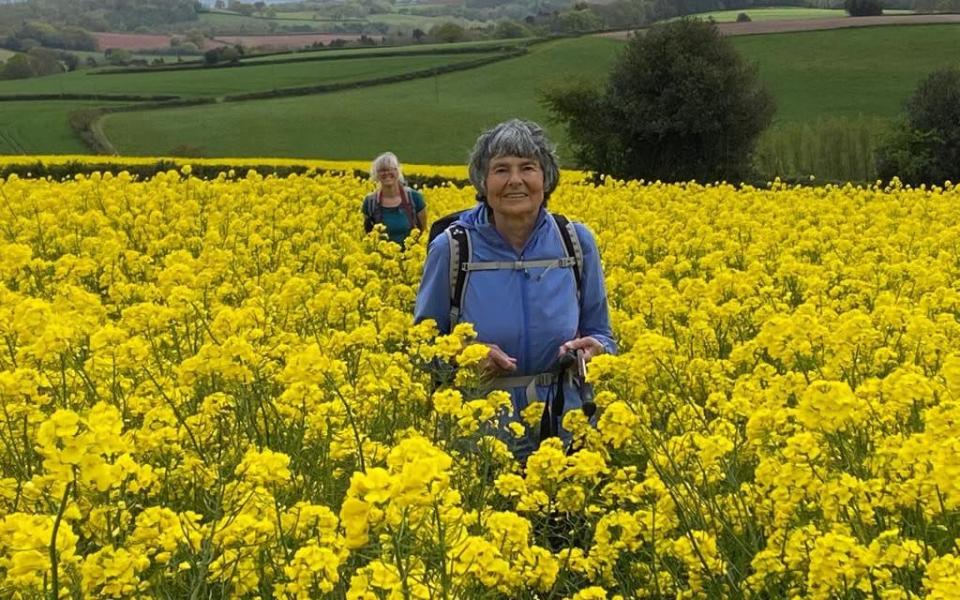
756, 27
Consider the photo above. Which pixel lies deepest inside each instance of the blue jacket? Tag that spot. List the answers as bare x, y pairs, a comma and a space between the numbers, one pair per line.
527, 313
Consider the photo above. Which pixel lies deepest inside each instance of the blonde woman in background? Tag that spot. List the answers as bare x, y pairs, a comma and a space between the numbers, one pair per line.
399, 208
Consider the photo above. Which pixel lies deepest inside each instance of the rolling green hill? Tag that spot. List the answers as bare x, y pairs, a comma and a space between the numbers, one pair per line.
861, 74
848, 72
40, 127
780, 13
324, 53
868, 71
428, 120
221, 81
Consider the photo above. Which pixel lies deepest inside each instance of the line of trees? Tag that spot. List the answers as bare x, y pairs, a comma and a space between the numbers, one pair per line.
31, 34
102, 15
37, 62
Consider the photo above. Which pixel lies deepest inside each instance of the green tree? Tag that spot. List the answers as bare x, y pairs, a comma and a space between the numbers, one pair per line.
679, 104
117, 56
45, 61
577, 21
926, 146
17, 67
448, 32
508, 29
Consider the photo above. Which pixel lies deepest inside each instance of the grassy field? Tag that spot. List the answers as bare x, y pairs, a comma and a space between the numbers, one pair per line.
838, 74
6, 54
429, 120
405, 20
423, 22
414, 48
217, 82
835, 73
235, 22
849, 72
228, 22
782, 13
39, 128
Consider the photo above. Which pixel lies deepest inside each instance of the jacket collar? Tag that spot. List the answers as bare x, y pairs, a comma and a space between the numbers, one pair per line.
478, 219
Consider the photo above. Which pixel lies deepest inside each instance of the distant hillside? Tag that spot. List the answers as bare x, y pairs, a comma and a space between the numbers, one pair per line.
98, 15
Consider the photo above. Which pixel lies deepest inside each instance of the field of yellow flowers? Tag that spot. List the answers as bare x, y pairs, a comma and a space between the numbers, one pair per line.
213, 389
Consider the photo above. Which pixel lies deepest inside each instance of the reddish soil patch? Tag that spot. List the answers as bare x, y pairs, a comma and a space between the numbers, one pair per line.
291, 41
138, 41
755, 27
131, 41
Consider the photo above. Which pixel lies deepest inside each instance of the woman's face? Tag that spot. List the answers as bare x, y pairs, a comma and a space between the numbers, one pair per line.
387, 175
514, 186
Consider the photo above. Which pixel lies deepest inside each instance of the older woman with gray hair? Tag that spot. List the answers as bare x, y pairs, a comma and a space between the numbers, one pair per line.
530, 281
399, 208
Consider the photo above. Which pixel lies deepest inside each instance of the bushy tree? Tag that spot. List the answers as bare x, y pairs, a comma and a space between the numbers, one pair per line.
863, 8
18, 67
925, 148
448, 32
679, 104
576, 21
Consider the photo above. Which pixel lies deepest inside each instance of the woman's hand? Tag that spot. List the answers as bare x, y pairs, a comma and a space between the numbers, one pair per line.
498, 362
591, 347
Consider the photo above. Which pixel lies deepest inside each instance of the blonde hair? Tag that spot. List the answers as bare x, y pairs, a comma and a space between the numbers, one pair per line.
387, 160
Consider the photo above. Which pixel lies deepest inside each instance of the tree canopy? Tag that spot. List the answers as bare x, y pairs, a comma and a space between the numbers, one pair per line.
925, 148
680, 103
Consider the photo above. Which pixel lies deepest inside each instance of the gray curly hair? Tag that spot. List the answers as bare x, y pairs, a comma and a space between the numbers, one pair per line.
515, 137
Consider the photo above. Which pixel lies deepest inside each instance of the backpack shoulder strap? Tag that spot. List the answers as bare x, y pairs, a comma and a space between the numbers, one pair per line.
441, 224
370, 206
407, 205
571, 241
371, 214
460, 253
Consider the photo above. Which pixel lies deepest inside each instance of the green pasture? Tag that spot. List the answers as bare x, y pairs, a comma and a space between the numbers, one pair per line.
867, 71
422, 22
380, 50
781, 13
432, 120
230, 80
40, 127
835, 73
231, 22
227, 22
6, 54
403, 20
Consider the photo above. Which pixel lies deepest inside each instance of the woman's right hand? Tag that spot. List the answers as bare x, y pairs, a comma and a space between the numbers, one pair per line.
498, 362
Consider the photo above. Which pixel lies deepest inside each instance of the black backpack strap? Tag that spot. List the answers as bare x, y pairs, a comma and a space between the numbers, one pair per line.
441, 224
371, 212
571, 241
460, 253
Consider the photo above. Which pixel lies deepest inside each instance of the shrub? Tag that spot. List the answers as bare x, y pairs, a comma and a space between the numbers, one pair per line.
679, 104
743, 18
926, 146
448, 32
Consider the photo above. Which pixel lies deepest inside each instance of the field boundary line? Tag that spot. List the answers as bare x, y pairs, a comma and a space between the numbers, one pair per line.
11, 141
87, 124
348, 85
803, 25
76, 96
197, 66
